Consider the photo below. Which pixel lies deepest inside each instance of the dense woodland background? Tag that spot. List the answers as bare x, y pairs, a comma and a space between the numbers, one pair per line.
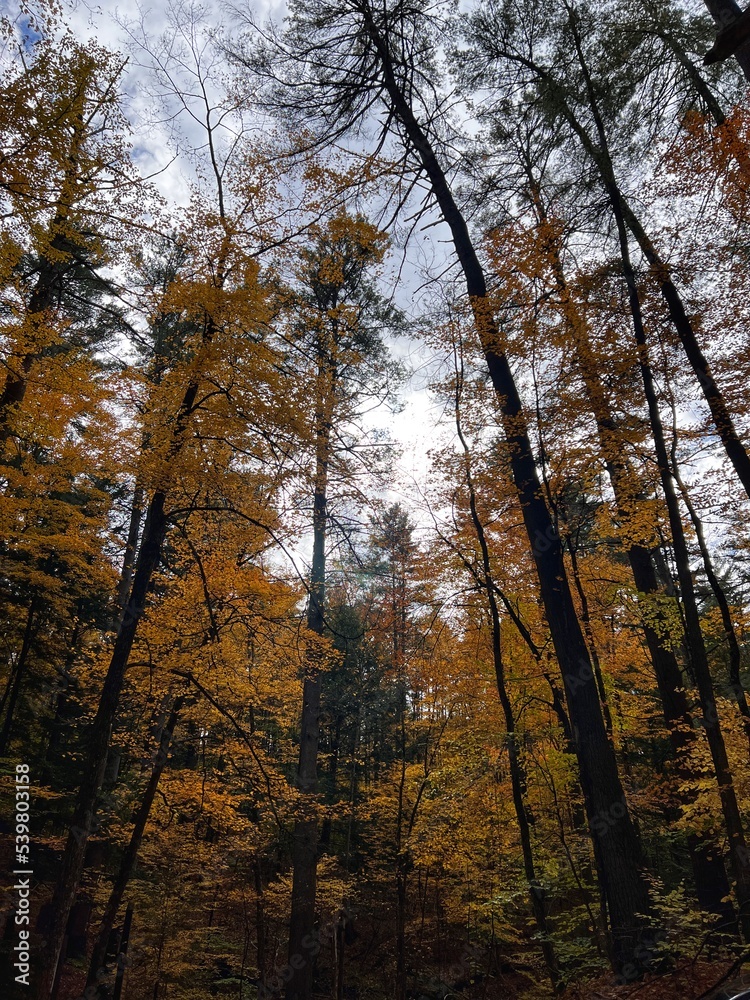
301, 724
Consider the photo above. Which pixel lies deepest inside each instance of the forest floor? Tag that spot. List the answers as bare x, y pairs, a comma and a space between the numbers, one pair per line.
689, 981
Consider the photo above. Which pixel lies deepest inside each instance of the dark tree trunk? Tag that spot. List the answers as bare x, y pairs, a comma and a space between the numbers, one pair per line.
616, 843
129, 858
733, 646
41, 302
709, 875
260, 921
712, 886
100, 733
724, 12
63, 701
517, 769
558, 705
722, 418
401, 882
599, 153
13, 689
122, 957
588, 632
694, 637
340, 941
305, 841
131, 548
52, 270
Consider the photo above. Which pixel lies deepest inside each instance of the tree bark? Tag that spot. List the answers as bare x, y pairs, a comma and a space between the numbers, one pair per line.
724, 12
695, 643
122, 957
131, 548
733, 646
709, 875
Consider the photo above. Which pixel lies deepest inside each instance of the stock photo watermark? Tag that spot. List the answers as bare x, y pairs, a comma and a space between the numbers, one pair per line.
23, 874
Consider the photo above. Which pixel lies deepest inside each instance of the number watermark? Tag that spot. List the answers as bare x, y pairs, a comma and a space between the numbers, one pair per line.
23, 873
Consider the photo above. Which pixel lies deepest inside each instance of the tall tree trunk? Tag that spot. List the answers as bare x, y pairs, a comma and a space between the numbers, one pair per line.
123, 955
589, 633
724, 12
558, 706
131, 548
52, 269
733, 646
129, 858
13, 689
340, 944
517, 769
37, 314
260, 922
305, 838
709, 875
694, 636
617, 846
401, 882
100, 733
403, 857
63, 699
722, 418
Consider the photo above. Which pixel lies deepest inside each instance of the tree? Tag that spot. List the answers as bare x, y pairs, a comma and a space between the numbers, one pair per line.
337, 337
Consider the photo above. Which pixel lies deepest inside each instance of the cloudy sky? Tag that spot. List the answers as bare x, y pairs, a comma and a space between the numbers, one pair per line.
415, 427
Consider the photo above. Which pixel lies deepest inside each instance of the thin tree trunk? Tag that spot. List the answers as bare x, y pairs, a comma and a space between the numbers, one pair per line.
122, 957
733, 646
709, 875
63, 699
558, 705
616, 844
131, 548
401, 882
694, 636
260, 922
13, 689
99, 736
129, 858
589, 633
517, 770
696, 645
340, 939
722, 418
305, 838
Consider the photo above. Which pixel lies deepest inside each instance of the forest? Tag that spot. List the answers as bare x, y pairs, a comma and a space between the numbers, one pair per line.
374, 493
